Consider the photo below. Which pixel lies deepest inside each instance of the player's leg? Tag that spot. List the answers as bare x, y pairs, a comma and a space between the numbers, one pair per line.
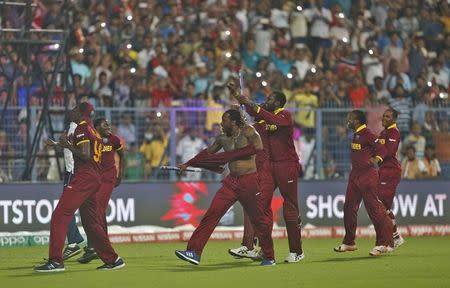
74, 237
250, 196
286, 177
389, 180
92, 223
71, 199
351, 206
222, 201
377, 213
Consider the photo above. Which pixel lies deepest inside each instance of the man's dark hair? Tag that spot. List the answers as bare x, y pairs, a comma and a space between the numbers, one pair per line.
236, 115
98, 121
360, 115
394, 112
280, 97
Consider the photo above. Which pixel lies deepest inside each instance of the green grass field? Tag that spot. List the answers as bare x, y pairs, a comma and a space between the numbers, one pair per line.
421, 262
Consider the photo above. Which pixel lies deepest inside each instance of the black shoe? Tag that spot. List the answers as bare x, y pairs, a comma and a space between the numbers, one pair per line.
88, 256
117, 265
50, 266
69, 251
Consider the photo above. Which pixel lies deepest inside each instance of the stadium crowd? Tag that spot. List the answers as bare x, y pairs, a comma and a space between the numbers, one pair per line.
329, 54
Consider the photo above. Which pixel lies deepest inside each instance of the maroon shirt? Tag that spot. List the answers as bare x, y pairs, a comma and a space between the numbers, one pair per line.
280, 129
85, 133
390, 138
110, 146
365, 146
264, 155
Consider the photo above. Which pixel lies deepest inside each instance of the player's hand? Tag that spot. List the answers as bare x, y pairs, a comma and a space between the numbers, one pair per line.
231, 85
183, 168
50, 142
243, 100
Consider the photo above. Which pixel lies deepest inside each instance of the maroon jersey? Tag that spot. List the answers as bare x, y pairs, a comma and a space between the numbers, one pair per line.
85, 133
262, 155
111, 144
390, 138
280, 129
365, 146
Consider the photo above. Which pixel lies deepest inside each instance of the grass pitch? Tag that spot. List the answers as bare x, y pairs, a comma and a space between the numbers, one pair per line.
421, 262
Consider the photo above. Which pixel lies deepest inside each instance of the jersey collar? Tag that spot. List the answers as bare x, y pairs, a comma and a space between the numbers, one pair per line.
392, 126
278, 111
360, 128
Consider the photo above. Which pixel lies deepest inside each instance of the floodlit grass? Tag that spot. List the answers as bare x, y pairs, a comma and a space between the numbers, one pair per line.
421, 262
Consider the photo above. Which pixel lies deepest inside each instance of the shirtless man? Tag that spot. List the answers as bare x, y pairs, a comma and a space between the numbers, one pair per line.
242, 184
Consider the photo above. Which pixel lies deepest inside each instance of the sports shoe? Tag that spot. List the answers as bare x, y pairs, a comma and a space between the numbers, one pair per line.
71, 250
294, 257
88, 256
50, 266
244, 252
116, 265
345, 248
189, 256
379, 250
399, 241
267, 262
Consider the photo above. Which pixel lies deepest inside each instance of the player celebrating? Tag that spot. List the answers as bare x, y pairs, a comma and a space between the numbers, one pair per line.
363, 185
241, 185
81, 193
390, 170
110, 177
285, 164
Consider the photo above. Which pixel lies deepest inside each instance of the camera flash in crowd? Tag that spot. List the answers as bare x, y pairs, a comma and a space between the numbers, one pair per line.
228, 33
313, 69
228, 54
129, 17
370, 51
81, 50
344, 39
299, 8
443, 95
103, 24
258, 74
264, 83
289, 75
55, 46
158, 114
132, 70
129, 46
341, 15
429, 84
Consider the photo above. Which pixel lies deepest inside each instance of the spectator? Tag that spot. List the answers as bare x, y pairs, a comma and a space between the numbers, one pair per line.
413, 168
403, 105
305, 102
103, 92
154, 148
189, 146
127, 130
134, 161
432, 165
320, 19
416, 139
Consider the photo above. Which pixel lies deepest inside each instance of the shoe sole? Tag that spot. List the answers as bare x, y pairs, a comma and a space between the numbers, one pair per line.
238, 256
72, 254
301, 258
346, 250
50, 271
114, 268
185, 258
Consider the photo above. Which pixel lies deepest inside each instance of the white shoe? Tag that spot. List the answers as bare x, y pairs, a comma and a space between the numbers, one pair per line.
399, 241
379, 250
244, 252
345, 248
294, 257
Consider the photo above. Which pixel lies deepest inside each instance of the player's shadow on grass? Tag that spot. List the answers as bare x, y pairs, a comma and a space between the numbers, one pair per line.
208, 267
344, 259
